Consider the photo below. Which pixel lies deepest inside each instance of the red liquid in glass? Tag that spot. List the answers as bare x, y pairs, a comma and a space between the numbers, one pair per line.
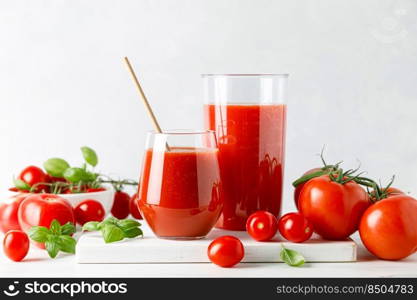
251, 141
179, 195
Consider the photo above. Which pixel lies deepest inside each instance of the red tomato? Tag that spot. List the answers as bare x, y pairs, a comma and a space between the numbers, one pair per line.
333, 209
16, 245
391, 191
95, 190
8, 213
299, 187
42, 209
89, 210
33, 175
388, 228
262, 225
134, 208
295, 227
226, 251
121, 207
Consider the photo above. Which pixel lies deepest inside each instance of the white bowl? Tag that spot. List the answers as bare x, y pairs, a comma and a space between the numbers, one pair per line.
106, 198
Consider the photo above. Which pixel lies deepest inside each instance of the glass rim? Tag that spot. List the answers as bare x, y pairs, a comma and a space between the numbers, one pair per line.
246, 75
181, 132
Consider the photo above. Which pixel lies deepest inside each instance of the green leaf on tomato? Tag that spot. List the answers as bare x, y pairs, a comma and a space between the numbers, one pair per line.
292, 257
39, 234
68, 229
55, 227
56, 167
21, 185
90, 156
75, 175
51, 246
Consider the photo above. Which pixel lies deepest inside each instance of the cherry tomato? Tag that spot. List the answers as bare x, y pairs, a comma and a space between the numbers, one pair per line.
89, 210
121, 203
295, 227
33, 175
42, 209
16, 245
333, 209
262, 225
8, 213
388, 228
299, 187
226, 251
95, 190
134, 208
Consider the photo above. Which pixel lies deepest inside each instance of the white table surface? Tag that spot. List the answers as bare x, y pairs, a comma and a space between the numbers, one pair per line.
38, 264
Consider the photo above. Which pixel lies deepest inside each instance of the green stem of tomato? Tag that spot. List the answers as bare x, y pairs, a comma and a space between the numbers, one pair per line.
307, 177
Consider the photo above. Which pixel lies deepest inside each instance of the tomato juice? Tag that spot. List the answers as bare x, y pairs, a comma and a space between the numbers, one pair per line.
251, 140
180, 192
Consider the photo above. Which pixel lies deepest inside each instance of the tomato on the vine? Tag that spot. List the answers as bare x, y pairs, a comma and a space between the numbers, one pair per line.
16, 245
295, 227
8, 213
262, 225
333, 207
299, 187
121, 208
89, 210
388, 228
226, 251
42, 209
134, 207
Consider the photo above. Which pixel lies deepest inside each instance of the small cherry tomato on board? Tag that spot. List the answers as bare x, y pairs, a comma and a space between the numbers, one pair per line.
89, 210
388, 228
42, 209
121, 208
262, 225
134, 208
33, 175
8, 213
16, 245
295, 227
226, 251
333, 208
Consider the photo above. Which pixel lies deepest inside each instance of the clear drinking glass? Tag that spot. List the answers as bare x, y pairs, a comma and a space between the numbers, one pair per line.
248, 114
180, 188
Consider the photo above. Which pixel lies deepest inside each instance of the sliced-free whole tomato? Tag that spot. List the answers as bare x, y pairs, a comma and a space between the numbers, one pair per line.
134, 207
333, 209
33, 175
16, 245
388, 228
121, 205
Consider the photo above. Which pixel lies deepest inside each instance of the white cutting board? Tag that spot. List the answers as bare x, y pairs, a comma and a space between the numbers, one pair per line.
149, 249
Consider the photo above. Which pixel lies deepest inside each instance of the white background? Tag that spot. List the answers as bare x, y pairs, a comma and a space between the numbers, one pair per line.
352, 84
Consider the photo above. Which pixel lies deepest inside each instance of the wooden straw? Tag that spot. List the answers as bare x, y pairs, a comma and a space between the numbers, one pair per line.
144, 99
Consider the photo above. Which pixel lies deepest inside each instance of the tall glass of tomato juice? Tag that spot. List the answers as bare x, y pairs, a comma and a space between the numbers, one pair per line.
180, 189
248, 114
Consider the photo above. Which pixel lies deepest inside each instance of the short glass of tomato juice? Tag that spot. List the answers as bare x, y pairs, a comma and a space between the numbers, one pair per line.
248, 114
180, 193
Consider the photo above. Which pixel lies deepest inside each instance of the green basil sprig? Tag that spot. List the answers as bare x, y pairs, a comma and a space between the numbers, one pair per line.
56, 237
56, 167
113, 229
291, 257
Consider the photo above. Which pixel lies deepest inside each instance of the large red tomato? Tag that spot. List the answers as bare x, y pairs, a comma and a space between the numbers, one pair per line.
334, 209
388, 228
42, 209
8, 213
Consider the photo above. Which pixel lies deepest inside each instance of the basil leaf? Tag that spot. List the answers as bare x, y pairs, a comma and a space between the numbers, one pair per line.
75, 175
21, 185
56, 167
39, 234
68, 229
51, 246
66, 244
55, 227
127, 224
90, 156
291, 257
132, 232
91, 226
112, 233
